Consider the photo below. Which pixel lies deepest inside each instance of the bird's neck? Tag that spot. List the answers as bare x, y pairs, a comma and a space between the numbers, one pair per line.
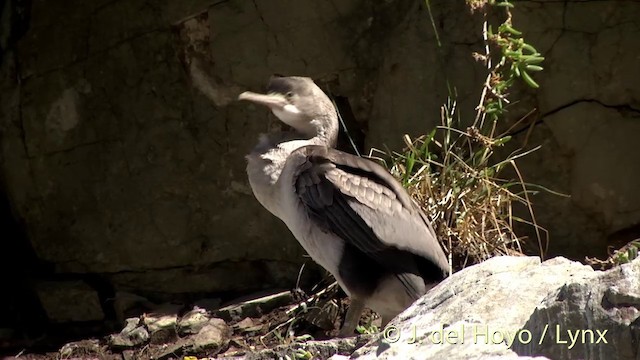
272, 150
326, 131
267, 160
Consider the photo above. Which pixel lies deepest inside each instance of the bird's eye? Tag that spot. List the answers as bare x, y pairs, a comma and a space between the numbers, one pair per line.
289, 95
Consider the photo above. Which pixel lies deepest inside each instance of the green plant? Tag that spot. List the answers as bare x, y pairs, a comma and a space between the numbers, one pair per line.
369, 328
516, 60
624, 255
453, 172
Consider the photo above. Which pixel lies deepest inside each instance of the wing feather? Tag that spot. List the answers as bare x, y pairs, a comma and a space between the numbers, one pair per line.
364, 205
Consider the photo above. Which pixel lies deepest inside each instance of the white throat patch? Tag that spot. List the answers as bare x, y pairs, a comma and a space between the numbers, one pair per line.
289, 114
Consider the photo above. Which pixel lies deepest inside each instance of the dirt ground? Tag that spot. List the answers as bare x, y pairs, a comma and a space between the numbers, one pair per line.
291, 323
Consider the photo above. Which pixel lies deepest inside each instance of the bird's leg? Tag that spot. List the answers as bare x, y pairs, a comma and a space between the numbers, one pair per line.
385, 321
351, 319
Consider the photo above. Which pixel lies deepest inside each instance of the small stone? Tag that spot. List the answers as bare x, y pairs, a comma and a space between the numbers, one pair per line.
193, 321
163, 336
118, 341
139, 335
214, 335
132, 335
247, 325
162, 324
132, 323
129, 355
79, 348
133, 338
173, 350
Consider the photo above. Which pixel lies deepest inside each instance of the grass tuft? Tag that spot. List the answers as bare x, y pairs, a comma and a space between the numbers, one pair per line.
453, 172
625, 254
455, 177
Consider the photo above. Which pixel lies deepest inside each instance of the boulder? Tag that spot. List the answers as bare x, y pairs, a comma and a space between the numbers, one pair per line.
595, 319
511, 306
66, 301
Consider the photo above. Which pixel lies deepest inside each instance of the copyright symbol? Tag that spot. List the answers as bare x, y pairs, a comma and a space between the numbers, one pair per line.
391, 334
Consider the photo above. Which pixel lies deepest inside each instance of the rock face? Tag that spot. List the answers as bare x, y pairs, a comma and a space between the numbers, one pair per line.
122, 151
588, 107
596, 319
66, 301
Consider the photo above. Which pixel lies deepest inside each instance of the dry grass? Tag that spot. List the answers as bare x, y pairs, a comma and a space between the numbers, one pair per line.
621, 256
454, 176
453, 172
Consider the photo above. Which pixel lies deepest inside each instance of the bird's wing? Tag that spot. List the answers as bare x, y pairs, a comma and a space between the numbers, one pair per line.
362, 203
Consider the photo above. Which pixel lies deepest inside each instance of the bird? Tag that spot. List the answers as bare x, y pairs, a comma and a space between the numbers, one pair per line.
348, 212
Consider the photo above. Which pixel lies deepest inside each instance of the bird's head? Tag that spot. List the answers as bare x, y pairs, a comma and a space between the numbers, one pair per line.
299, 103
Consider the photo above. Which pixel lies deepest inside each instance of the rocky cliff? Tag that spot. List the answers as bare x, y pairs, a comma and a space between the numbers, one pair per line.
122, 149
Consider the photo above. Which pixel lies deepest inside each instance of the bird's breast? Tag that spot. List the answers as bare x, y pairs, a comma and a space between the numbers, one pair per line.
262, 179
324, 247
272, 172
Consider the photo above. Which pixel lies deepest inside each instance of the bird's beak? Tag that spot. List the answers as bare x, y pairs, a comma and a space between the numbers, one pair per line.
272, 101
